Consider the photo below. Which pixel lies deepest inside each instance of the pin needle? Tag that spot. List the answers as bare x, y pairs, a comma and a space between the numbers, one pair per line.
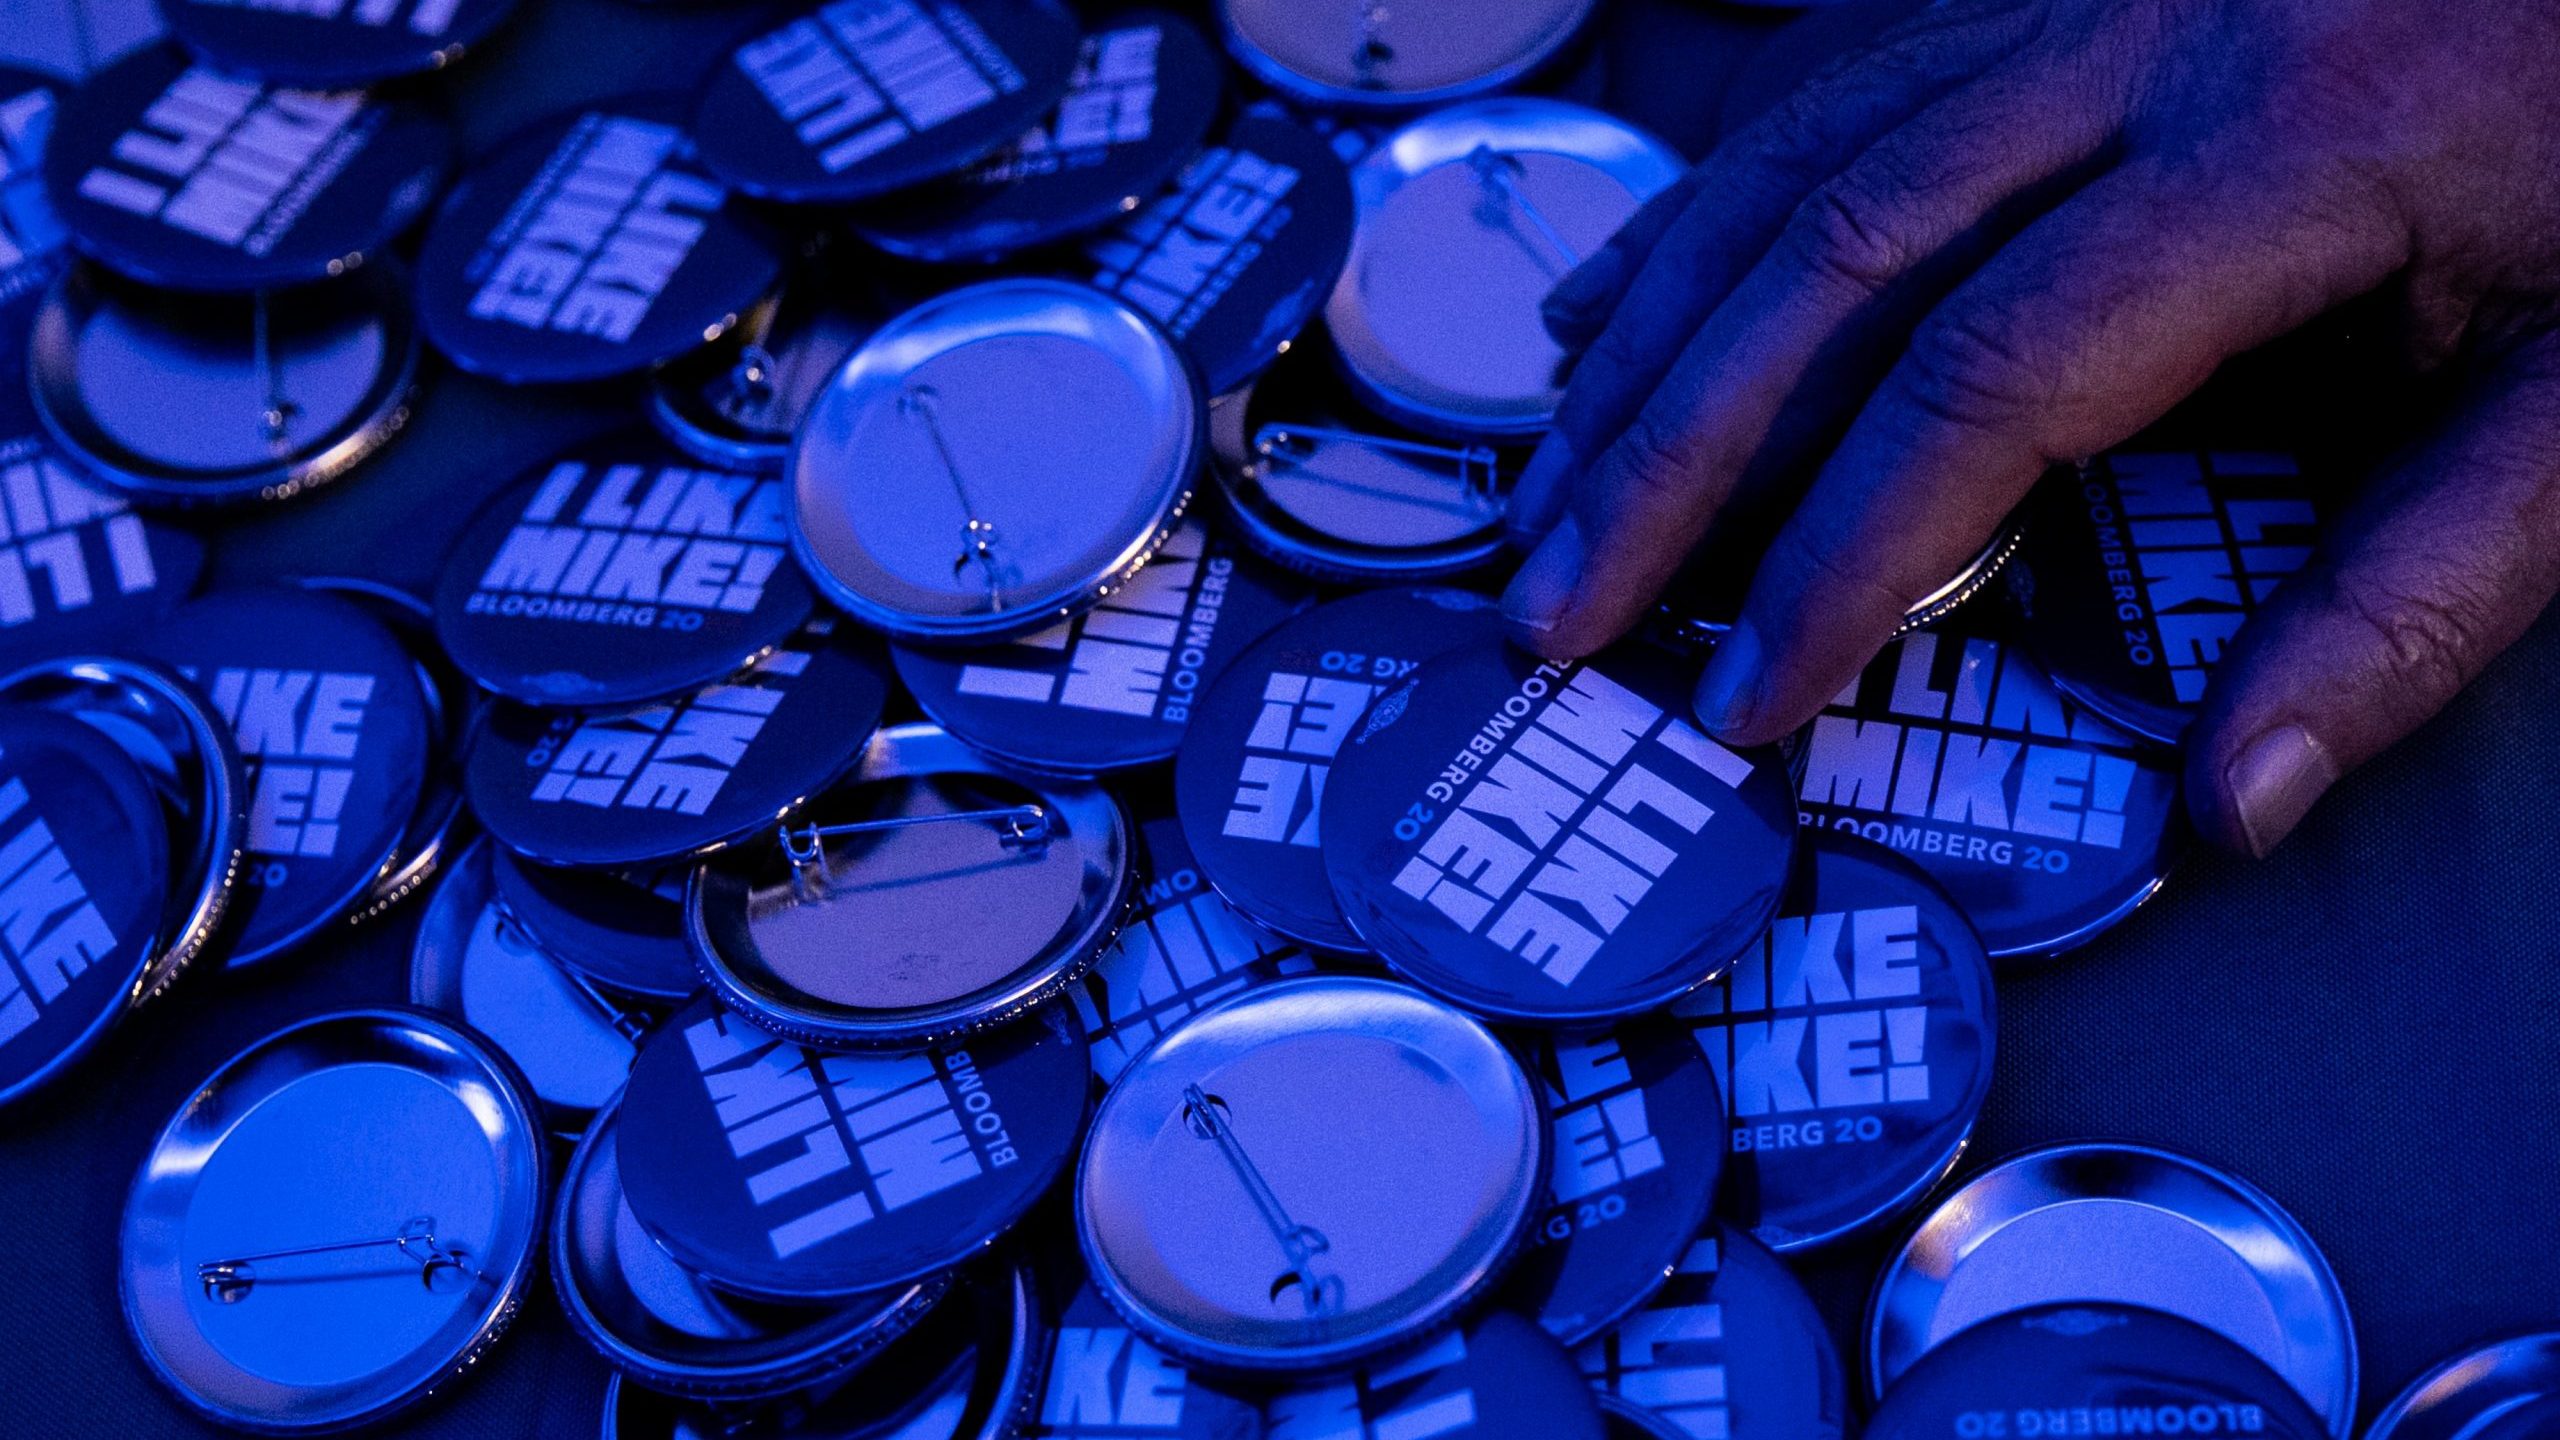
1500, 176
280, 412
1019, 827
230, 1281
922, 403
1207, 1118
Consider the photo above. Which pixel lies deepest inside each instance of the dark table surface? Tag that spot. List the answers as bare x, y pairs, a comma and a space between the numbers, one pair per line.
2367, 1026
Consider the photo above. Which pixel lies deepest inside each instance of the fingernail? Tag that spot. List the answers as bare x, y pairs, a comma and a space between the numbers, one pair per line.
1543, 590
1732, 680
2274, 783
1541, 480
1569, 308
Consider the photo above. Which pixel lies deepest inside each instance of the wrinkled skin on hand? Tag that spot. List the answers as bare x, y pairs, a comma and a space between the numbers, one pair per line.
2008, 234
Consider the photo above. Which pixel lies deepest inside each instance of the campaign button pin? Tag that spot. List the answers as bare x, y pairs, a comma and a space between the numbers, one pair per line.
452, 707
1101, 1381
1638, 1144
1321, 486
1554, 844
184, 751
343, 1219
2093, 1369
86, 895
1497, 1378
1382, 57
1183, 949
994, 461
2088, 1223
1116, 686
934, 896
1240, 253
625, 932
175, 173
2507, 1390
861, 97
327, 711
332, 42
589, 245
683, 777
222, 399
791, 1174
31, 238
1251, 774
1853, 1047
1309, 1174
473, 962
2141, 566
1467, 218
660, 1324
79, 570
1141, 98
1730, 1345
617, 572
2046, 824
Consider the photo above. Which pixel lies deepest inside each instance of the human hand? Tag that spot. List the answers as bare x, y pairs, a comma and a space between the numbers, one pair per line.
2012, 233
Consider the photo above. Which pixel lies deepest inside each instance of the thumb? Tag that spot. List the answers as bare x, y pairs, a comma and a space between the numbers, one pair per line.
2428, 577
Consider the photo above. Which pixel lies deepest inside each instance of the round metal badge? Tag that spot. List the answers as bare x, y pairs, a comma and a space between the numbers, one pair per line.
1183, 950
1251, 774
736, 402
90, 881
1318, 486
933, 897
1241, 252
2140, 567
177, 174
860, 98
164, 725
1099, 1381
1374, 57
2098, 1369
1114, 687
214, 400
1497, 1378
931, 481
686, 777
453, 707
327, 711
1141, 98
333, 43
1730, 1346
2119, 1225
625, 932
620, 572
1856, 1046
1468, 217
2045, 824
472, 962
1639, 1142
794, 1175
31, 238
79, 571
2509, 1390
586, 246
1309, 1174
1552, 844
346, 1216
661, 1325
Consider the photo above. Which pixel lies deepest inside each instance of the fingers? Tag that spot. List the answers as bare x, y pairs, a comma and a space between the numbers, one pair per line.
1642, 300
2097, 320
1796, 335
2436, 570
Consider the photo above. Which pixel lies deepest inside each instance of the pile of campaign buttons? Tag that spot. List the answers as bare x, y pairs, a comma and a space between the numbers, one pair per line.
958, 823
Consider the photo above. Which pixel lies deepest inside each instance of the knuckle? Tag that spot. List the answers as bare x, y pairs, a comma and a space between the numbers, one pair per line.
1968, 369
1820, 560
1846, 232
2430, 638
1653, 476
